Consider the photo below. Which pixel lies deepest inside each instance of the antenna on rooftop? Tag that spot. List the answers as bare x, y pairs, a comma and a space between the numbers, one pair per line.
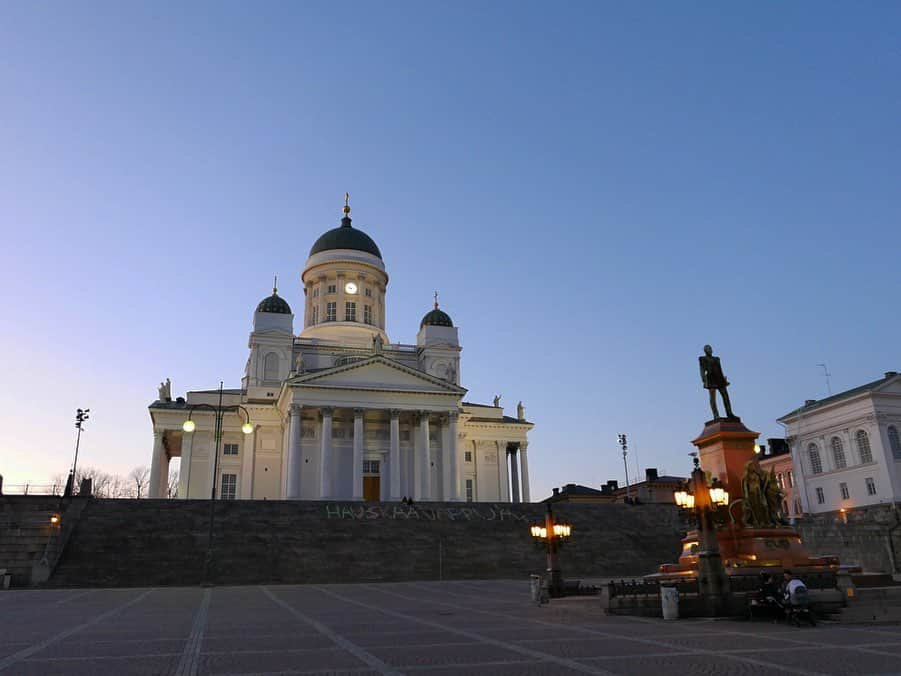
826, 375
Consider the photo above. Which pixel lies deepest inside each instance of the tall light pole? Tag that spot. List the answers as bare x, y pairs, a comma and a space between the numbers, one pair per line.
623, 444
81, 415
188, 426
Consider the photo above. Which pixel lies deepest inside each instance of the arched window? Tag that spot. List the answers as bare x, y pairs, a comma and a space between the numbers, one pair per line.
838, 453
270, 367
816, 465
894, 442
863, 446
798, 510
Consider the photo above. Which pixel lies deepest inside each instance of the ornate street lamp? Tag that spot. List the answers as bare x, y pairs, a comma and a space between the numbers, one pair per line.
189, 426
706, 503
553, 534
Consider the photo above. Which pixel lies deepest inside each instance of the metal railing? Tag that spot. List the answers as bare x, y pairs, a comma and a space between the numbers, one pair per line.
737, 584
33, 489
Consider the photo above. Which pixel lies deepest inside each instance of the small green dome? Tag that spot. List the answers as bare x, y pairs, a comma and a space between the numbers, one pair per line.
436, 318
346, 237
275, 304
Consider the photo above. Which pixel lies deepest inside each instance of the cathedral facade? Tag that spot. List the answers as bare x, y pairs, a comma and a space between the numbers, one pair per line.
338, 411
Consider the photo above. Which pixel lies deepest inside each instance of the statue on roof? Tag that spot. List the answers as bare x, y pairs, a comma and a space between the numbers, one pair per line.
299, 366
378, 343
714, 381
520, 411
497, 401
165, 390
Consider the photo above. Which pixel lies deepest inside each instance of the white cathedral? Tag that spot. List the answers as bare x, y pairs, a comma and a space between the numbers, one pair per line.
340, 412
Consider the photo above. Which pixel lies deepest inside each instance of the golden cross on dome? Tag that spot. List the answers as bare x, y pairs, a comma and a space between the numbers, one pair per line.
346, 203
275, 284
436, 300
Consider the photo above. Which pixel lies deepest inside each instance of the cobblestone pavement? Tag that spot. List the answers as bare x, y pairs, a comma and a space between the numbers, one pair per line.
408, 628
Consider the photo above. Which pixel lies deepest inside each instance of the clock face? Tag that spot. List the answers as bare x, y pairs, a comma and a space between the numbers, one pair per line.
350, 287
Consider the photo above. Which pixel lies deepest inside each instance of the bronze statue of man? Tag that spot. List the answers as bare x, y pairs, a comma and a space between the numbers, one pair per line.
713, 379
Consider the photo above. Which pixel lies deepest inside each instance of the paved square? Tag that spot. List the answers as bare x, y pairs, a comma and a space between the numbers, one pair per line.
427, 627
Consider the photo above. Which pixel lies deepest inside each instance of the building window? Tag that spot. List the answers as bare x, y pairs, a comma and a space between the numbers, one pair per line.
467, 456
331, 311
350, 311
798, 510
816, 465
838, 453
367, 292
367, 314
784, 507
370, 467
229, 486
843, 487
270, 367
894, 442
863, 446
820, 497
315, 315
332, 288
316, 292
469, 496
871, 486
230, 449
780, 480
790, 478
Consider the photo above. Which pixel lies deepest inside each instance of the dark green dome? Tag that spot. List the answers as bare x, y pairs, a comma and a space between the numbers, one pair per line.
346, 237
436, 318
275, 304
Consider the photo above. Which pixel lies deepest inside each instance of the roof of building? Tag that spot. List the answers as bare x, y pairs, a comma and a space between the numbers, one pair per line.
854, 391
436, 317
573, 491
507, 420
275, 304
346, 236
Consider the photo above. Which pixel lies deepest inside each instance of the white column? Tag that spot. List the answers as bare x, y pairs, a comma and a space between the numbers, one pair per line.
454, 454
422, 484
294, 453
394, 456
156, 466
325, 461
358, 455
503, 474
523, 447
446, 485
514, 476
248, 454
184, 472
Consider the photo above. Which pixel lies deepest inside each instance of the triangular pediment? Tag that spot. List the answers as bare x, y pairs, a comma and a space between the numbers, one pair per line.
376, 373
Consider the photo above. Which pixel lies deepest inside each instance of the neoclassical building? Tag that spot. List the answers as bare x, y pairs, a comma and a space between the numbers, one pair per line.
339, 411
846, 449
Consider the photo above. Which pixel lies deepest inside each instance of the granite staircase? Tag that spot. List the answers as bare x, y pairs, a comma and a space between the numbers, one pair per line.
164, 542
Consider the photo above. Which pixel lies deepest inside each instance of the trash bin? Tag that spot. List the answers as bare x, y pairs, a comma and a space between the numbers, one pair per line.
669, 601
535, 587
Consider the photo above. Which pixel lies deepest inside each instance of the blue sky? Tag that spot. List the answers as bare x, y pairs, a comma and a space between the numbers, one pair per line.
595, 189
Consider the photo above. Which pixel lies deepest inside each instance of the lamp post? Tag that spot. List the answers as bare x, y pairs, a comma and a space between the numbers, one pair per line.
81, 415
188, 426
703, 502
553, 534
624, 445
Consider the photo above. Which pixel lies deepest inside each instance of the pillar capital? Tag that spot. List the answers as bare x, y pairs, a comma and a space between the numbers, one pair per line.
294, 409
327, 411
395, 413
453, 416
358, 412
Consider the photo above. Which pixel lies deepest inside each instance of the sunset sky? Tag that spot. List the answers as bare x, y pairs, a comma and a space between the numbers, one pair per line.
595, 189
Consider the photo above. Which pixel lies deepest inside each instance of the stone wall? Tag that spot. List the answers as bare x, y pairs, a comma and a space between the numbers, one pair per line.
164, 542
25, 532
871, 538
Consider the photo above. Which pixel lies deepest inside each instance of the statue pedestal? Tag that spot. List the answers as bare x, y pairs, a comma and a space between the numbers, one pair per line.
724, 448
